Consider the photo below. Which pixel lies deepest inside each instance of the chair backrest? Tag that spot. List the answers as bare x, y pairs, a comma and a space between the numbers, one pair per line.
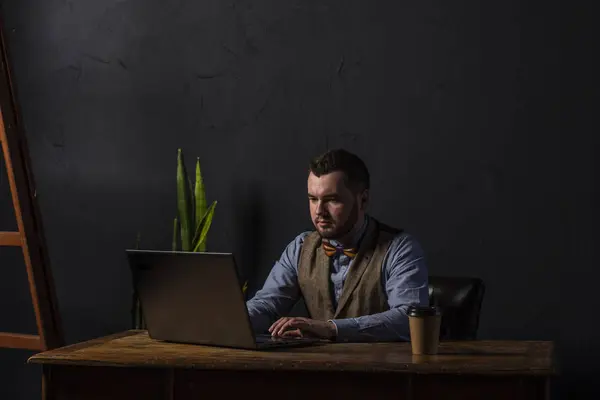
460, 300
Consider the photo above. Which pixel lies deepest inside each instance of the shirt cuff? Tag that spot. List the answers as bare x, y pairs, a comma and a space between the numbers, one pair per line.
347, 329
336, 328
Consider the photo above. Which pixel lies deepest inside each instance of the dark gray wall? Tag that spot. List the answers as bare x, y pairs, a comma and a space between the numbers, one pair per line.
473, 117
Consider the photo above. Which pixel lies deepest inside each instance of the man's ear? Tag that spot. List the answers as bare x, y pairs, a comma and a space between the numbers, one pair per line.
364, 199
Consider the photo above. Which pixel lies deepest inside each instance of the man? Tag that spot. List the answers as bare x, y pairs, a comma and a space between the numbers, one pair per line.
357, 276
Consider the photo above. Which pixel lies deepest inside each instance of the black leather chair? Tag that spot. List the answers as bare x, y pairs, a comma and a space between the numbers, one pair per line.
459, 299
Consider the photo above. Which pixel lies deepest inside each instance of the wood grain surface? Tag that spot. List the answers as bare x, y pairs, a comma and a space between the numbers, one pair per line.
136, 349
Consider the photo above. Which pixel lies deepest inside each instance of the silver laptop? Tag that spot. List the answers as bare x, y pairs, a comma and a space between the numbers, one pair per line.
196, 298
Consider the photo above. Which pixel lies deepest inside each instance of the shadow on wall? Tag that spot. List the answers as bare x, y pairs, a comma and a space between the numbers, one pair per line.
249, 226
249, 222
19, 380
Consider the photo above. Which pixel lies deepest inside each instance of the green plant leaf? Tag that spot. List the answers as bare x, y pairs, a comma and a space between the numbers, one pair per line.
184, 203
175, 228
200, 226
198, 231
192, 216
199, 195
204, 226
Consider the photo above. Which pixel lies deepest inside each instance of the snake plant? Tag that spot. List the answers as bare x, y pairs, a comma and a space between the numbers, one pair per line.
194, 218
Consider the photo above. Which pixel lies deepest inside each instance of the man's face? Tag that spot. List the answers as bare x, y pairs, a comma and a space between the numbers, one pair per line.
334, 208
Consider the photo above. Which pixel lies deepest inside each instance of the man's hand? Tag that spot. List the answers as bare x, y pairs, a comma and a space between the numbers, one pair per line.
299, 327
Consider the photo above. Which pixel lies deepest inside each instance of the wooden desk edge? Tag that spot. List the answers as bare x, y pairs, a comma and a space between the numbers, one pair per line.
53, 357
542, 373
41, 358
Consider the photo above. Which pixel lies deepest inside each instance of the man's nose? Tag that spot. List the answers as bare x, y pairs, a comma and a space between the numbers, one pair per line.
320, 208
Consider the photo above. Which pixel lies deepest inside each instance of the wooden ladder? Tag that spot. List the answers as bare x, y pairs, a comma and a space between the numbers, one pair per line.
29, 237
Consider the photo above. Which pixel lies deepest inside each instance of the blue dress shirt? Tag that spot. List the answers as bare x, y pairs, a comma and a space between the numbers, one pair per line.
404, 279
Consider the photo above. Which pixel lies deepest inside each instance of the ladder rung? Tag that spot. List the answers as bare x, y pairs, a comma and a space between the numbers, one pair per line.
10, 239
20, 341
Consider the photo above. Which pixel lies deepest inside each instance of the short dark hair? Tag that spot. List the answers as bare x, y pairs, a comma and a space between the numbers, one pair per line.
357, 174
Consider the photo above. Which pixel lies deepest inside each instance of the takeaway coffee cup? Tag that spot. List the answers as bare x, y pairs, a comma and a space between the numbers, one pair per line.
424, 329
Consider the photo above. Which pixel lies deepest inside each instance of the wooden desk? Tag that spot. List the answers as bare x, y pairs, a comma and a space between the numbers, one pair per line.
130, 365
